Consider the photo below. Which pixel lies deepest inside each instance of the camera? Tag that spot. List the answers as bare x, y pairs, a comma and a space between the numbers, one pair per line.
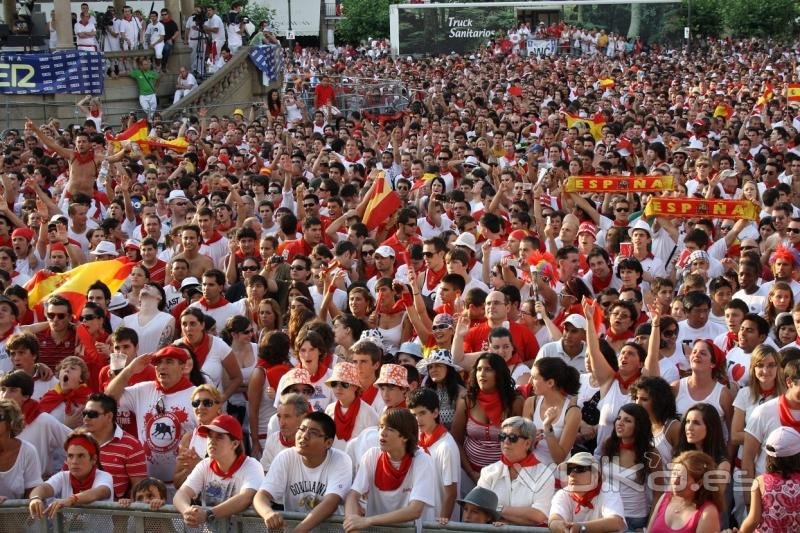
276, 259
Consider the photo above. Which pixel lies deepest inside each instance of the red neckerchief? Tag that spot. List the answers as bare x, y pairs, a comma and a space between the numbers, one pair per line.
425, 441
28, 318
530, 460
321, 369
492, 406
237, 464
370, 394
621, 223
82, 159
586, 499
56, 396
433, 278
785, 413
30, 410
627, 446
614, 337
346, 422
215, 236
208, 305
498, 243
398, 307
731, 339
598, 284
387, 477
767, 393
176, 284
86, 484
355, 160
8, 333
182, 384
285, 443
513, 361
625, 383
201, 349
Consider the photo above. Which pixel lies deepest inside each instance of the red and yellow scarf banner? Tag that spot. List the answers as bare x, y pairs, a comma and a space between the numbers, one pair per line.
698, 208
619, 184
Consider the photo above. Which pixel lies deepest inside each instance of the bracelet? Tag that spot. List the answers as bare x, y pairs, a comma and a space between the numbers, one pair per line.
36, 498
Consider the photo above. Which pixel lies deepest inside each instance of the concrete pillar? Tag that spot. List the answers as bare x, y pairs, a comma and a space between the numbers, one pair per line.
9, 10
63, 25
118, 6
174, 8
187, 10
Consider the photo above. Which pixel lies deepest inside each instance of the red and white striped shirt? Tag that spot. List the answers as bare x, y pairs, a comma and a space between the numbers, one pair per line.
123, 457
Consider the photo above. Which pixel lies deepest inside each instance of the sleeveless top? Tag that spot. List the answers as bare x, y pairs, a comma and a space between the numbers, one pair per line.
635, 502
660, 525
780, 504
609, 408
684, 400
447, 407
392, 336
661, 443
540, 448
480, 442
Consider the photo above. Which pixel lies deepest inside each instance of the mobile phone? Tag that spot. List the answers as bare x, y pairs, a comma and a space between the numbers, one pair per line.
513, 263
625, 249
527, 186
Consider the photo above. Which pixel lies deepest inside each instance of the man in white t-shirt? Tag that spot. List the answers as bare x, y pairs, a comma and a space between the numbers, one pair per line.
752, 332
162, 407
572, 346
213, 303
312, 477
215, 28
234, 27
697, 325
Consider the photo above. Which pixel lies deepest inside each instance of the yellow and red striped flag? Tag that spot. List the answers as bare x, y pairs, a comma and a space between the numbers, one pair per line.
723, 110
607, 83
177, 145
74, 283
428, 176
793, 92
595, 123
382, 203
135, 133
765, 97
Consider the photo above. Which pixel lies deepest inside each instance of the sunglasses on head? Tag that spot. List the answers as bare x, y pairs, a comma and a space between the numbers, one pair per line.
206, 402
512, 438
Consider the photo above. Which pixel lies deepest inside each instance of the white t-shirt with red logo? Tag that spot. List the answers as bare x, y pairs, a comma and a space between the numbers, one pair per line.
161, 420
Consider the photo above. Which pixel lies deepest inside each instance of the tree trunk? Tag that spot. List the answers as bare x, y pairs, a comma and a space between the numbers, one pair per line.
636, 20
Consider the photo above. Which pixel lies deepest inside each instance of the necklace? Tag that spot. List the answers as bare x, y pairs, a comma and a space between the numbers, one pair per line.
683, 507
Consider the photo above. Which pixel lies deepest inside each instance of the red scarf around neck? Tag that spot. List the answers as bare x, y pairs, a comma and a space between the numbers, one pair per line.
370, 394
530, 460
625, 383
30, 410
614, 337
785, 414
83, 158
426, 441
237, 464
492, 406
767, 393
398, 307
513, 361
346, 422
215, 236
432, 278
208, 305
80, 486
284, 442
627, 445
56, 396
321, 369
200, 350
182, 384
586, 499
731, 340
598, 283
387, 477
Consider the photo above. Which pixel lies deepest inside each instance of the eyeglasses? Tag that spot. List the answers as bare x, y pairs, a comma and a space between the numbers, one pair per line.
206, 402
86, 318
702, 165
367, 252
251, 268
59, 316
298, 268
342, 384
669, 333
792, 230
578, 469
728, 228
91, 414
511, 437
440, 327
313, 433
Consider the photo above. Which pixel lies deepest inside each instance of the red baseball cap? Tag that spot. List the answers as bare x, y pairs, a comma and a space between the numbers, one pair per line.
222, 424
172, 352
25, 233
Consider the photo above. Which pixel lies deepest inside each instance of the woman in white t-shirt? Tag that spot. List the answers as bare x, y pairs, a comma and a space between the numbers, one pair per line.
396, 475
213, 355
310, 350
81, 484
20, 470
193, 448
225, 482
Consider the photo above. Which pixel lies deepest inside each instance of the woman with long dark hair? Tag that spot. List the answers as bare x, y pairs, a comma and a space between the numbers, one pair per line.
273, 363
442, 375
553, 408
633, 459
268, 317
656, 397
238, 334
490, 399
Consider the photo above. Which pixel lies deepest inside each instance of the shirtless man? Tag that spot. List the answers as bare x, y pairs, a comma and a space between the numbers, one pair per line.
84, 163
198, 263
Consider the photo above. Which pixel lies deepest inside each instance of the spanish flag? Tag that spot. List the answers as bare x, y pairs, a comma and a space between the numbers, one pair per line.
135, 133
766, 96
428, 176
74, 283
595, 123
177, 145
793, 92
723, 110
607, 83
382, 203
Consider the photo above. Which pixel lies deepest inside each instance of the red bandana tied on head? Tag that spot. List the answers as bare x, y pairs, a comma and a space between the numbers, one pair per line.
387, 477
426, 441
346, 422
237, 464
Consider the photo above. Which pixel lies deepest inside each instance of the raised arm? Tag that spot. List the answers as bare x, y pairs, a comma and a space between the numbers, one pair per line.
47, 141
602, 371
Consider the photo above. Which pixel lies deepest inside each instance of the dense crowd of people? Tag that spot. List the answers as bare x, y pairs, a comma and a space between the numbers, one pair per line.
326, 310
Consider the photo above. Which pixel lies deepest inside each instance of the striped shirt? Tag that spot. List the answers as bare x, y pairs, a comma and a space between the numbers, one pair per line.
51, 352
123, 458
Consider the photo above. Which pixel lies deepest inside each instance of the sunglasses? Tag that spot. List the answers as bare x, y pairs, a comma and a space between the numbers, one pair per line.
298, 268
342, 384
91, 414
428, 254
621, 210
251, 268
59, 316
205, 403
669, 333
86, 318
578, 469
792, 230
512, 438
440, 327
309, 206
367, 252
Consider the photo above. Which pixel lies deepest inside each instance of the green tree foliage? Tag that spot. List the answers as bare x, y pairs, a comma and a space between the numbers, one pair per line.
255, 12
761, 18
363, 19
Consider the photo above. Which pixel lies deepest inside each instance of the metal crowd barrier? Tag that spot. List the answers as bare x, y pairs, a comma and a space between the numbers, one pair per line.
139, 518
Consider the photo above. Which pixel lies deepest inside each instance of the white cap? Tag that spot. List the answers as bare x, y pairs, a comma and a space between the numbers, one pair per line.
576, 320
104, 248
641, 225
58, 218
466, 240
696, 144
471, 161
188, 282
117, 302
783, 442
385, 251
176, 195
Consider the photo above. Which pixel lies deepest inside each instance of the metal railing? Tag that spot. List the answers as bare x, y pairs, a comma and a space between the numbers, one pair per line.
139, 518
365, 95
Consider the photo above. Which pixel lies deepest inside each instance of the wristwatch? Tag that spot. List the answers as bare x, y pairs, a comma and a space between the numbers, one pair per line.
583, 528
210, 517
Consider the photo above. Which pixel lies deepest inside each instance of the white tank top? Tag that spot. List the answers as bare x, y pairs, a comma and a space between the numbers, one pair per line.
541, 449
635, 502
392, 336
684, 401
661, 443
609, 408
